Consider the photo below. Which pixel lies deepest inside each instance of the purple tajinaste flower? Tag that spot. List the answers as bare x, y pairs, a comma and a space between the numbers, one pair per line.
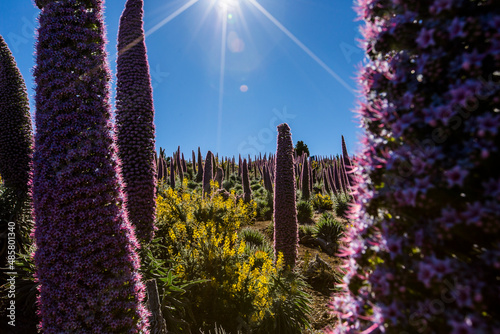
199, 175
456, 176
16, 137
228, 168
246, 183
428, 199
219, 177
326, 182
172, 173
267, 178
135, 121
178, 164
347, 163
306, 191
456, 28
285, 211
440, 5
207, 173
184, 165
86, 249
193, 162
425, 38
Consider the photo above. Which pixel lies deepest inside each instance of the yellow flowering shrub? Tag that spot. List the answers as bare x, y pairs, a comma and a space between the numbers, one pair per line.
322, 202
199, 239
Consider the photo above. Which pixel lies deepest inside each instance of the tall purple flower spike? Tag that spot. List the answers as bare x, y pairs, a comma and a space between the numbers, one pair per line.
286, 230
326, 183
86, 260
245, 179
16, 136
199, 175
347, 163
194, 162
207, 173
306, 193
135, 121
178, 163
267, 178
172, 172
423, 255
219, 177
228, 168
184, 165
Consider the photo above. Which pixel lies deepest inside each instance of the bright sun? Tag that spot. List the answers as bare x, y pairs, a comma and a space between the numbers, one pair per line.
228, 3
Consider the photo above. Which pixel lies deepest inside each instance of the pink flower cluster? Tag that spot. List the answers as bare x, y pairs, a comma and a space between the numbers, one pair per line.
86, 259
286, 228
423, 255
135, 121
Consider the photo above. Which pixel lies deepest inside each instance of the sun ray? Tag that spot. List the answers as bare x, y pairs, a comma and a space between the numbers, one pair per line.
221, 76
302, 46
202, 20
171, 17
243, 23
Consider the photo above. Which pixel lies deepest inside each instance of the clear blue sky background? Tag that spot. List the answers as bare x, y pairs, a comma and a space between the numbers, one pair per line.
292, 55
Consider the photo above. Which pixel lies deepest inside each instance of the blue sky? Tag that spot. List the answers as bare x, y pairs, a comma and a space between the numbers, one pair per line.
288, 61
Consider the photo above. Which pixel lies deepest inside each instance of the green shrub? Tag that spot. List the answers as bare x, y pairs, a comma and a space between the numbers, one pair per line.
270, 230
306, 230
320, 275
341, 204
264, 211
190, 174
228, 184
193, 184
328, 228
174, 293
298, 195
252, 236
317, 188
290, 310
304, 211
255, 186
